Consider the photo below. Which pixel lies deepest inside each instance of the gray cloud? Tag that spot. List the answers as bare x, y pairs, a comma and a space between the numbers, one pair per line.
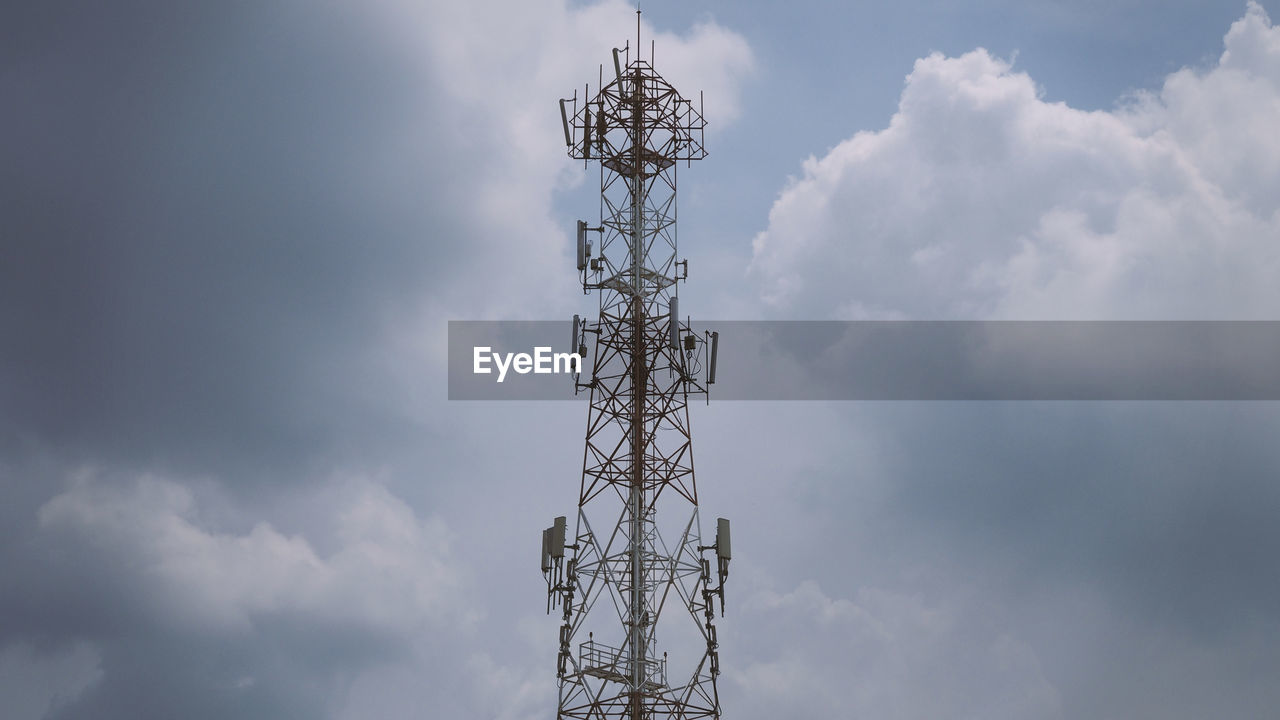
233, 238
1102, 541
197, 260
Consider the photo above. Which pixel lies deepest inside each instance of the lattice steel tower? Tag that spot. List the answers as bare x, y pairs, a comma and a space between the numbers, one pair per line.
636, 560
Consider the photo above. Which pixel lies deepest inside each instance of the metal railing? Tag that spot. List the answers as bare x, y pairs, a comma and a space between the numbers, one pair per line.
603, 661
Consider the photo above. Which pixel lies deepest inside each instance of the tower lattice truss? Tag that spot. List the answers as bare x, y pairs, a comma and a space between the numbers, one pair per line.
635, 584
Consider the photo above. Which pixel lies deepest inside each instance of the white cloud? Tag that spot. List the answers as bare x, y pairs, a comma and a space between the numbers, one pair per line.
980, 199
390, 573
497, 69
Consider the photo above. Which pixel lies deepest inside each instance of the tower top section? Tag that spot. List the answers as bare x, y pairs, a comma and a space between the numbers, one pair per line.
634, 105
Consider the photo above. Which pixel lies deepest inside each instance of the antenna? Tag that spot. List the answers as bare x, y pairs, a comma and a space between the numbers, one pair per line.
715, 350
673, 326
564, 118
637, 542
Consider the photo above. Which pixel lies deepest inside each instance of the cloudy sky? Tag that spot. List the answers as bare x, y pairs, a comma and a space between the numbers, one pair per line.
233, 234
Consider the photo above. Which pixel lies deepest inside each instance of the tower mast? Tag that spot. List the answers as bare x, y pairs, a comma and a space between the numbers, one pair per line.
637, 542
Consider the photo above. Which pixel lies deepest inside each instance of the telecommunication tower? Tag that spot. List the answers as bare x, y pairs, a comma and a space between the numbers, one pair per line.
635, 560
